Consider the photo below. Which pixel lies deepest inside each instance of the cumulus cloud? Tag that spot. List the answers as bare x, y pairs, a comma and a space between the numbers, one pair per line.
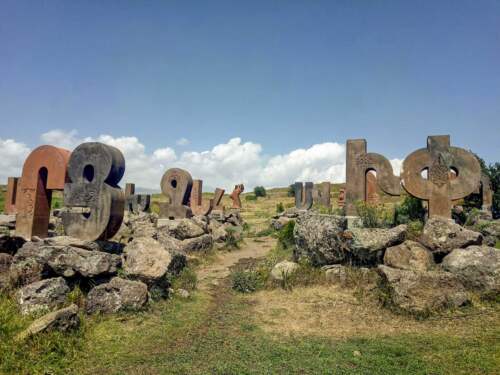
182, 142
224, 165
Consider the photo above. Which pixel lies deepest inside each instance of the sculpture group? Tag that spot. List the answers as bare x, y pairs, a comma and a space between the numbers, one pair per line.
94, 203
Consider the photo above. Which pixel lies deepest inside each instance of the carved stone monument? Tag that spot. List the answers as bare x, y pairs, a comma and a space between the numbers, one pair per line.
11, 195
486, 193
176, 185
438, 189
341, 199
358, 163
136, 203
216, 201
235, 195
303, 195
372, 196
94, 200
198, 205
321, 194
43, 171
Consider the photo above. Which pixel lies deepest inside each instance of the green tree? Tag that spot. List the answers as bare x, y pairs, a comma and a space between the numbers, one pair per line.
259, 191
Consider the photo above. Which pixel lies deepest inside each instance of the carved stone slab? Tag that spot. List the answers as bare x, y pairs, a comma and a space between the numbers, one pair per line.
303, 195
176, 185
438, 189
372, 196
136, 203
94, 200
218, 195
43, 171
341, 199
235, 195
198, 205
321, 194
11, 195
358, 163
486, 193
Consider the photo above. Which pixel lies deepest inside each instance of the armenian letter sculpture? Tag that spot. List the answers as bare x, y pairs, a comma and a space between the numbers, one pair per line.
11, 195
198, 205
321, 194
43, 171
235, 195
303, 195
136, 203
176, 185
358, 164
94, 171
439, 158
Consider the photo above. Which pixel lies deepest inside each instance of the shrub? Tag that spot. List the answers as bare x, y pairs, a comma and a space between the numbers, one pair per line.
374, 216
291, 191
280, 208
250, 197
410, 209
186, 279
259, 191
285, 235
245, 281
415, 229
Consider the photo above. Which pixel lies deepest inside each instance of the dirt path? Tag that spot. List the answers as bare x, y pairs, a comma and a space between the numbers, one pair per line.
211, 275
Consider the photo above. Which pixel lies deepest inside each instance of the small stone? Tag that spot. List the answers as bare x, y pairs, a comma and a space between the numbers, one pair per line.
44, 294
283, 269
356, 353
183, 293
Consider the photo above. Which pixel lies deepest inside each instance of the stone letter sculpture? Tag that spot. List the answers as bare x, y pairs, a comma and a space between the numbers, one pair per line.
218, 195
438, 189
341, 199
11, 195
372, 196
486, 193
321, 194
303, 195
176, 184
43, 171
235, 195
359, 162
95, 201
199, 206
136, 203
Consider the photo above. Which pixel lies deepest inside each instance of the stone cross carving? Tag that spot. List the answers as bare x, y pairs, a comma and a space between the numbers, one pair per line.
321, 194
235, 195
303, 195
341, 199
136, 203
176, 185
43, 171
358, 163
94, 200
438, 189
11, 195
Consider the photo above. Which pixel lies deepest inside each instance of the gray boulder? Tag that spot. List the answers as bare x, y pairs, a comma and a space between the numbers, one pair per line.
442, 235
490, 229
283, 269
41, 295
478, 267
280, 222
180, 229
202, 243
421, 293
119, 294
409, 255
146, 259
62, 320
320, 238
367, 245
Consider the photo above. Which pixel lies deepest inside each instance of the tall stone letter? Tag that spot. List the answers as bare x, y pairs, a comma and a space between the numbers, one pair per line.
136, 203
303, 195
235, 195
11, 195
176, 184
439, 189
198, 205
43, 171
358, 163
321, 194
93, 196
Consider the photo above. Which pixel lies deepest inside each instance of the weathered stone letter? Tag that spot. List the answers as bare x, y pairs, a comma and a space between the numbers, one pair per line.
303, 195
176, 184
136, 203
93, 196
11, 195
235, 195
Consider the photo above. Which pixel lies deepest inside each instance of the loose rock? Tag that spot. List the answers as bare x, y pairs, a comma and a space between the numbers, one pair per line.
283, 270
181, 229
146, 259
41, 295
62, 320
409, 255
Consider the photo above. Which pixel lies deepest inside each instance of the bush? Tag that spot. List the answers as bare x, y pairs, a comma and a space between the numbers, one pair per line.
259, 191
410, 210
245, 281
374, 216
285, 235
415, 229
250, 197
186, 279
280, 208
291, 191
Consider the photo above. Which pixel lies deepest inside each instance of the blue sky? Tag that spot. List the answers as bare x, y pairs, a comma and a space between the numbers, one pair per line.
283, 75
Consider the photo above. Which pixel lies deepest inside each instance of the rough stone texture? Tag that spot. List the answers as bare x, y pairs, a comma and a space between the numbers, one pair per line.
367, 245
180, 229
410, 255
62, 320
70, 241
438, 188
441, 235
143, 225
176, 185
146, 259
34, 196
11, 195
10, 244
303, 195
44, 294
279, 223
283, 269
490, 229
235, 195
71, 261
421, 293
358, 163
118, 294
321, 194
478, 267
101, 197
320, 238
372, 195
5, 262
202, 243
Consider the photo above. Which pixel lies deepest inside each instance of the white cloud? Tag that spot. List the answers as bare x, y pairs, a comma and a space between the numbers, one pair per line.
224, 165
182, 142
